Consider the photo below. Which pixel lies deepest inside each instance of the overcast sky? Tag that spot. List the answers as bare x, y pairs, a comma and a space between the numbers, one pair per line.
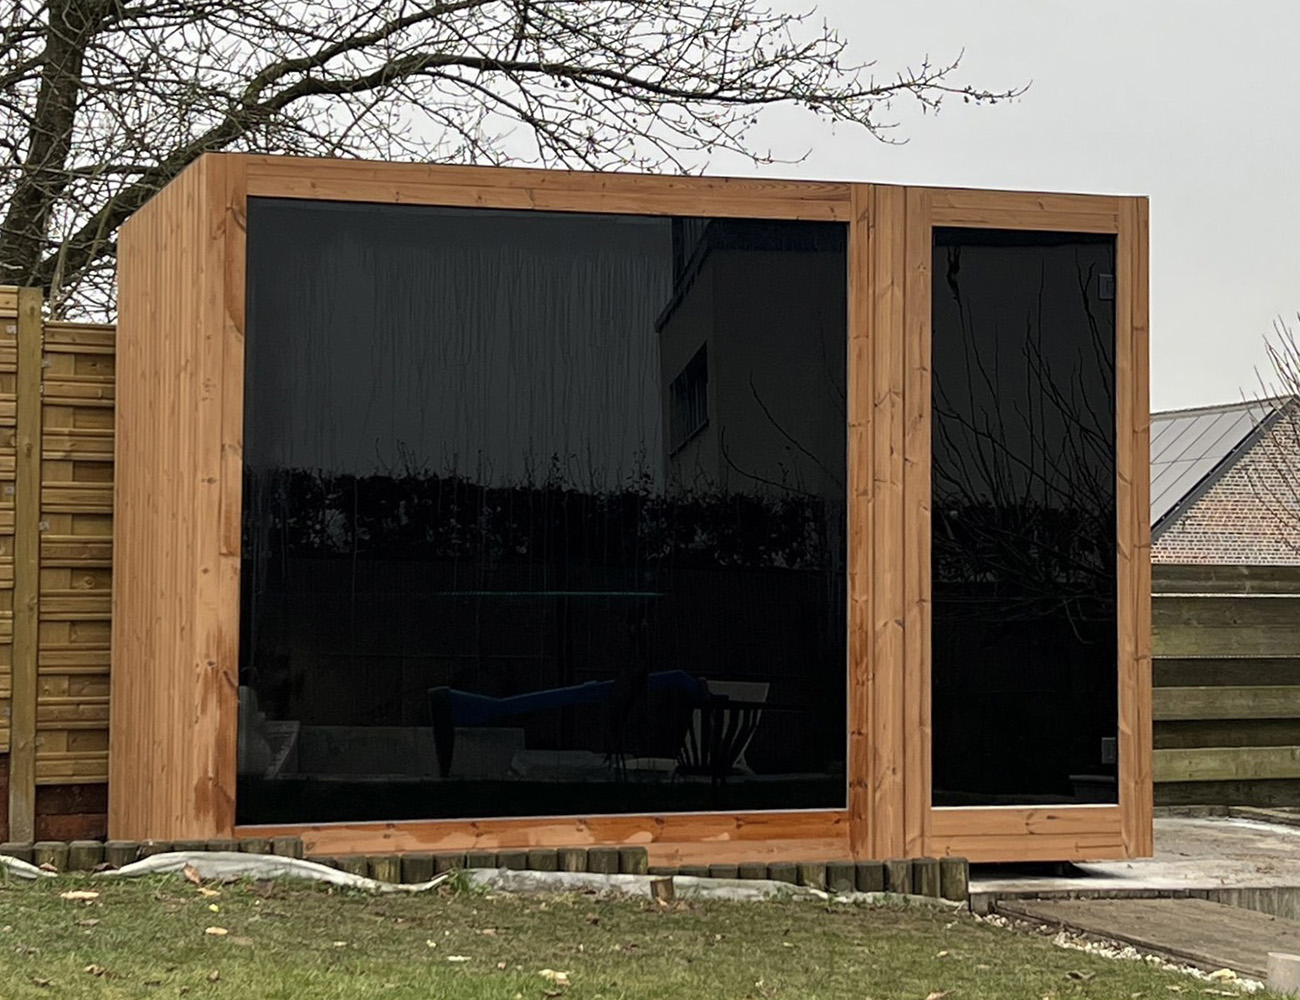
1194, 104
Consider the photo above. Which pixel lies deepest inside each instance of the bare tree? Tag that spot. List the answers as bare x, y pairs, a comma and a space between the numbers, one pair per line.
1273, 471
104, 101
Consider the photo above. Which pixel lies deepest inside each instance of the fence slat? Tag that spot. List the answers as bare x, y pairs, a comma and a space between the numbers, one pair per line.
1261, 702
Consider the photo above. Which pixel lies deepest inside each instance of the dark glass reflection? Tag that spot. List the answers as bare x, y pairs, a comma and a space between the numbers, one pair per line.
544, 514
1024, 676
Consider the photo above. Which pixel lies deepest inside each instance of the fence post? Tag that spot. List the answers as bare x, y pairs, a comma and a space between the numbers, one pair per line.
27, 567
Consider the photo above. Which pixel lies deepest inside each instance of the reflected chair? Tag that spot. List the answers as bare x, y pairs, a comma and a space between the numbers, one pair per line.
724, 716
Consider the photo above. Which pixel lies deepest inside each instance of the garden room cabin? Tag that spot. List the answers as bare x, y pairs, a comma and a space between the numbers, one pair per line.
481, 508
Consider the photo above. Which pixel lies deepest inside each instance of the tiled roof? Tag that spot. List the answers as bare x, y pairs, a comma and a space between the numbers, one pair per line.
1192, 448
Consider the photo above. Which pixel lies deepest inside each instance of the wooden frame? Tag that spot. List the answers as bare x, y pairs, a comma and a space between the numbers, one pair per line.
178, 490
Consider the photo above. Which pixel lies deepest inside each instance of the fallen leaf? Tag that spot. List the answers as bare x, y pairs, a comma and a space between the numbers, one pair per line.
558, 978
41, 982
214, 975
942, 954
1174, 988
191, 874
501, 965
45, 866
1082, 976
1221, 993
340, 944
88, 923
217, 931
1223, 974
938, 995
93, 970
79, 894
983, 968
431, 942
214, 908
457, 958
209, 893
489, 931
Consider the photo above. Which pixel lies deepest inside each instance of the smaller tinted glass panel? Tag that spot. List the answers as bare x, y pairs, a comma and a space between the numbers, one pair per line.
1023, 518
544, 514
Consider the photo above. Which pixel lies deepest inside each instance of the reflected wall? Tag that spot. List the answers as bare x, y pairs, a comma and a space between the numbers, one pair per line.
1023, 518
544, 514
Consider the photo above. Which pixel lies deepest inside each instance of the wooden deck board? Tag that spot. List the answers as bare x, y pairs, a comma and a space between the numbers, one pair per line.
1208, 935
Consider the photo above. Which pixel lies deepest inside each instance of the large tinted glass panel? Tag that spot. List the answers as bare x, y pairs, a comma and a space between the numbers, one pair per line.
544, 514
1024, 678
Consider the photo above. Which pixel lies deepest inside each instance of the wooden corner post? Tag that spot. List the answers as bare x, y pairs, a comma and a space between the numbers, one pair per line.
27, 566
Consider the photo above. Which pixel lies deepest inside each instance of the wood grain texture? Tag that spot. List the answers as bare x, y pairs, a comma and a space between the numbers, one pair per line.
1264, 701
917, 486
682, 839
551, 190
887, 610
1140, 804
25, 609
1226, 764
861, 713
173, 694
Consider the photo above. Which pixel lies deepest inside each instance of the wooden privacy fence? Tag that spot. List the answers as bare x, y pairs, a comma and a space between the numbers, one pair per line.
56, 518
1226, 641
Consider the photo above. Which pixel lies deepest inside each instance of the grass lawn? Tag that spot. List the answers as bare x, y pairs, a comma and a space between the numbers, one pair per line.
149, 938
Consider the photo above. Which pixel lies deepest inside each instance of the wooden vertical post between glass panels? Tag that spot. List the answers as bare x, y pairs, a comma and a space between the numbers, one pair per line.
1035, 833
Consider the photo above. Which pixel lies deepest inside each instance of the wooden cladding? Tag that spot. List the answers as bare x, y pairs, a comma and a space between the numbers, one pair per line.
56, 510
1226, 703
178, 492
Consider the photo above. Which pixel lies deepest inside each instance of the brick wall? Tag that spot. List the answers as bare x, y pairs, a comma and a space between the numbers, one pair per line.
1251, 516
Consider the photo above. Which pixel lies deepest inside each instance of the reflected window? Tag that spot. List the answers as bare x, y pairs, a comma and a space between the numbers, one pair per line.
1023, 518
544, 514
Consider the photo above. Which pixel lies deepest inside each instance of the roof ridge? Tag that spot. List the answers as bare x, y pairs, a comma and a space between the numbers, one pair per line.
1245, 404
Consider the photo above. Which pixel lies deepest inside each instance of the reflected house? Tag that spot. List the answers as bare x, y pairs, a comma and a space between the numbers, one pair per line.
727, 517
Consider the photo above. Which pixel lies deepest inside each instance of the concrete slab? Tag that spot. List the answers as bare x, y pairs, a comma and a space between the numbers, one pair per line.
1208, 935
1191, 854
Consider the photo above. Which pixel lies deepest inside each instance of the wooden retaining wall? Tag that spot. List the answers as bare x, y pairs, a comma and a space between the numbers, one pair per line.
56, 523
1227, 685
